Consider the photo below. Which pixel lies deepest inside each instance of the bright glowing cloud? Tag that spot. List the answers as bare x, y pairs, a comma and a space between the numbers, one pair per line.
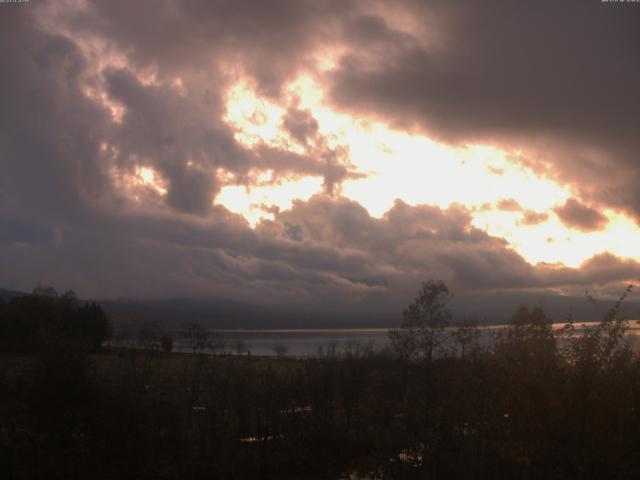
139, 183
552, 242
254, 119
417, 170
260, 201
360, 147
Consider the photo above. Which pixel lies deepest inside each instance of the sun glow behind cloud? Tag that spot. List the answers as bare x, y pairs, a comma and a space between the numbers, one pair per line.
139, 183
259, 202
254, 119
552, 242
417, 170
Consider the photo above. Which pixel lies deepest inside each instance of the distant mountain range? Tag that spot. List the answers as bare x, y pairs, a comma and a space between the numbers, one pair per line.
229, 314
487, 308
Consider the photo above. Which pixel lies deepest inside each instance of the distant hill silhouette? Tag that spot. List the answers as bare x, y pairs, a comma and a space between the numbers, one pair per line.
487, 308
9, 294
230, 314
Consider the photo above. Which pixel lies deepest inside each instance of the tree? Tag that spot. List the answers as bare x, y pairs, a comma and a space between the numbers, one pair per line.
239, 346
97, 327
422, 331
529, 338
166, 343
147, 336
280, 350
467, 336
45, 292
598, 347
196, 337
32, 322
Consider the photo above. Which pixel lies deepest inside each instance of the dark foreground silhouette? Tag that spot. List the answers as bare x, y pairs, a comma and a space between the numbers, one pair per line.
535, 404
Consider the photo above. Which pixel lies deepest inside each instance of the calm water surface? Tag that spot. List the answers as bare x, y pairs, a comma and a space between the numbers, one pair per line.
312, 342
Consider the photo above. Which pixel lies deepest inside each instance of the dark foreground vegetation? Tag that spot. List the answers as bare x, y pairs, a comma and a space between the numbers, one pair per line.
535, 404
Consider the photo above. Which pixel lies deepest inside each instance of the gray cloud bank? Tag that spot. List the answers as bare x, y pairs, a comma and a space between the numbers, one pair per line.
64, 222
558, 78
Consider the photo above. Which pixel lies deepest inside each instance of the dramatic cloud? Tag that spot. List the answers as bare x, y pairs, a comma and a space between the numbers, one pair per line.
578, 216
558, 79
131, 131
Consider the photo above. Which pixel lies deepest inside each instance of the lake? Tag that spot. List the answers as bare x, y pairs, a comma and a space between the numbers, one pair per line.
313, 342
296, 342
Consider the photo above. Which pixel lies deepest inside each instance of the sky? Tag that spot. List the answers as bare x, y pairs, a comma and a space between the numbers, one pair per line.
321, 154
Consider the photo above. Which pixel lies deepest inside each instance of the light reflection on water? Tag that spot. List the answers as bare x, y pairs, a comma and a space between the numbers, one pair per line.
298, 343
313, 342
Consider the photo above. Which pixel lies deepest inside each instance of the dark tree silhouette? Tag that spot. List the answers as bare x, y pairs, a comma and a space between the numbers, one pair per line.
421, 332
31, 322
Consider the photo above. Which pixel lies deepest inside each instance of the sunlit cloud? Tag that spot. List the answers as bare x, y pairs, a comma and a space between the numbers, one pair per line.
139, 183
99, 95
255, 120
259, 202
552, 242
418, 170
316, 151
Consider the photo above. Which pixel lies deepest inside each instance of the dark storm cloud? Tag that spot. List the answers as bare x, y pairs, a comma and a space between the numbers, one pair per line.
605, 267
601, 270
369, 31
48, 141
270, 38
558, 78
165, 130
410, 243
580, 217
183, 138
64, 222
179, 130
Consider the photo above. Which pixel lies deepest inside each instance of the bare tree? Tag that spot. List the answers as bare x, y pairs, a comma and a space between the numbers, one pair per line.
467, 336
280, 350
422, 331
196, 337
239, 346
